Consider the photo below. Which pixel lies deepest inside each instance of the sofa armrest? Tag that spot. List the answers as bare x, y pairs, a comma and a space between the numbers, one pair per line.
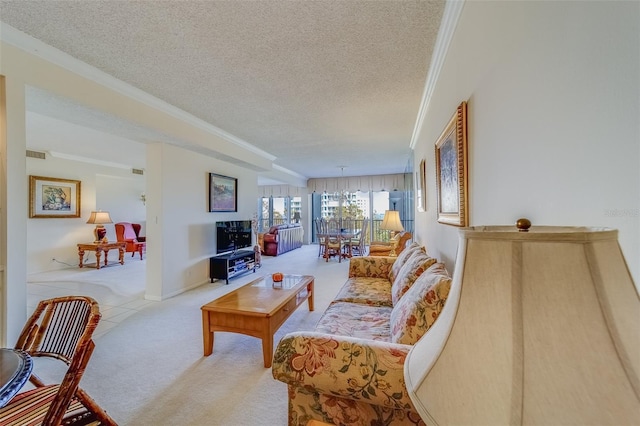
370, 266
270, 238
358, 369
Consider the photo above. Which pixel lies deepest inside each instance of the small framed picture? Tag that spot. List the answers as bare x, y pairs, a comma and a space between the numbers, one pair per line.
223, 193
53, 197
451, 171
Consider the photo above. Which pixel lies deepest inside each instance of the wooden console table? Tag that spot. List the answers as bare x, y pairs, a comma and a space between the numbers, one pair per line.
99, 248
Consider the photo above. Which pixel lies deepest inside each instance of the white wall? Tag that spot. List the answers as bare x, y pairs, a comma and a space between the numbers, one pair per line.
119, 194
178, 211
176, 261
112, 189
554, 95
57, 238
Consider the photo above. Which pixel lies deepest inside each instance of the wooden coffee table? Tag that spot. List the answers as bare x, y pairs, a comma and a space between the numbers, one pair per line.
256, 309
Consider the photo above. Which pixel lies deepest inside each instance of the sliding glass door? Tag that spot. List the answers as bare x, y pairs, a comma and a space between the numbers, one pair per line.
278, 211
358, 206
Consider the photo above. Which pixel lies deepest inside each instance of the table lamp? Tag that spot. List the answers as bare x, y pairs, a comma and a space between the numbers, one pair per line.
296, 217
540, 328
391, 222
99, 218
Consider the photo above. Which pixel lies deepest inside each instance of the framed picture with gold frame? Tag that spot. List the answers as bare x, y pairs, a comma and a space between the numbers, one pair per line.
53, 197
420, 185
451, 171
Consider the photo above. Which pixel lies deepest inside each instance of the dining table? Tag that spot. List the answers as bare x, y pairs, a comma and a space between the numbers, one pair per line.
15, 369
343, 234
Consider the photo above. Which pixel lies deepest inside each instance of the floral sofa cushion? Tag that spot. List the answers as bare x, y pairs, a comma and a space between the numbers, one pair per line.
344, 380
419, 308
356, 320
371, 267
410, 271
402, 259
365, 290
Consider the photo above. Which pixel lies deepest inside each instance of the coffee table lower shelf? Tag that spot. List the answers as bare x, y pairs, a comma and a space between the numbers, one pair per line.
256, 309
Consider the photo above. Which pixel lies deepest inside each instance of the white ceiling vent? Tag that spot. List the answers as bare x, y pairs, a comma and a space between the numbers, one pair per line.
36, 154
137, 171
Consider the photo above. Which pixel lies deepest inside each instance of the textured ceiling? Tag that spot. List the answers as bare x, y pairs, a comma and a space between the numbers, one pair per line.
317, 84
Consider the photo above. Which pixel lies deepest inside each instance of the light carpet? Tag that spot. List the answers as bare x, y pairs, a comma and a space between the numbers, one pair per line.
149, 370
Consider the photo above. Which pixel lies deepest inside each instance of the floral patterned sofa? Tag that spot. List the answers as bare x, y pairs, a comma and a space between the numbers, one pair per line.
350, 369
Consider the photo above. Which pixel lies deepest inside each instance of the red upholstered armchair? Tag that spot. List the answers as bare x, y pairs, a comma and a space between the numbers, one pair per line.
271, 242
282, 238
128, 233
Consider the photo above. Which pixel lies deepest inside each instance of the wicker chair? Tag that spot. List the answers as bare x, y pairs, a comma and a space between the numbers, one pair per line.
60, 328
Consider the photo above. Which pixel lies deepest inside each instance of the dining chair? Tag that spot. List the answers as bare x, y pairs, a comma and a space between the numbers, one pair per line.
321, 230
333, 242
59, 328
357, 245
347, 224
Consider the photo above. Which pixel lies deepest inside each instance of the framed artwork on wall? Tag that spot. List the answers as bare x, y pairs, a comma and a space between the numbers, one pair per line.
421, 185
53, 197
451, 171
223, 193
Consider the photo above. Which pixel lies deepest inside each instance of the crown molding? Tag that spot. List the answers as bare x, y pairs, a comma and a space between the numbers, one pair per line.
289, 172
450, 17
31, 45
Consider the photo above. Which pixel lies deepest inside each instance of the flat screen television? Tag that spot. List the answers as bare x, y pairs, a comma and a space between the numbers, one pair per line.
232, 235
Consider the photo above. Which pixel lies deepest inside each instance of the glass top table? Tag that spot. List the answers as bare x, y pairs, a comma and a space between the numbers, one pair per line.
15, 369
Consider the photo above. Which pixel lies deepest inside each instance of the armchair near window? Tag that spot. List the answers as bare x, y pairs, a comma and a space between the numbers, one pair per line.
128, 233
383, 248
282, 238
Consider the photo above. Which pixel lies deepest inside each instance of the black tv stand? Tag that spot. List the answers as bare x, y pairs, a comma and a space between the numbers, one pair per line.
229, 265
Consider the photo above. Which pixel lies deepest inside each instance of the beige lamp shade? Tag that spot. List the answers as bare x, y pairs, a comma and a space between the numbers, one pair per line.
540, 328
99, 218
392, 221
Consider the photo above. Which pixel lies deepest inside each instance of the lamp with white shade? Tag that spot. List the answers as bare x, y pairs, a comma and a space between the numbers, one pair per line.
99, 218
540, 327
392, 222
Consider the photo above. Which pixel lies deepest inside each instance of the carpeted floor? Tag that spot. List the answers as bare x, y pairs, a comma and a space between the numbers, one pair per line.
149, 370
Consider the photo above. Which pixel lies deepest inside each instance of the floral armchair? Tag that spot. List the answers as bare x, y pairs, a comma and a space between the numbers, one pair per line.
344, 380
383, 248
